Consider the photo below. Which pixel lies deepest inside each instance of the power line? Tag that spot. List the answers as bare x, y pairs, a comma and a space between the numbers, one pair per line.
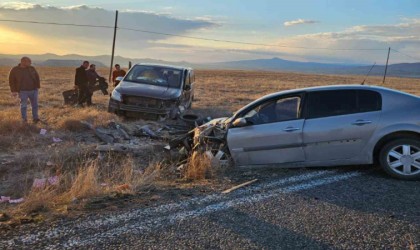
193, 37
406, 55
60, 24
245, 43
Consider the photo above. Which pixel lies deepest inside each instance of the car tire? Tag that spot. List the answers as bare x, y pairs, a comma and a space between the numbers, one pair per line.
400, 158
190, 119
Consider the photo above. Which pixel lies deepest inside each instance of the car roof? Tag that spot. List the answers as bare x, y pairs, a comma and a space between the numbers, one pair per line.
337, 87
164, 65
328, 87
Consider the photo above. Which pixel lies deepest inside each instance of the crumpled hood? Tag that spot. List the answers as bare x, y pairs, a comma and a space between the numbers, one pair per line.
147, 90
222, 121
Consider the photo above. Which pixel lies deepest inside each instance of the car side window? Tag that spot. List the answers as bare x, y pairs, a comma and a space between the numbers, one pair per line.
369, 100
341, 102
279, 110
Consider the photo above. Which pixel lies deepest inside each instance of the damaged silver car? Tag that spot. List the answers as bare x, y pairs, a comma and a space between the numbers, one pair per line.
323, 126
153, 91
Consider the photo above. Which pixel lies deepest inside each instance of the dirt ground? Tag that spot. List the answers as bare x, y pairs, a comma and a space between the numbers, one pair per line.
25, 154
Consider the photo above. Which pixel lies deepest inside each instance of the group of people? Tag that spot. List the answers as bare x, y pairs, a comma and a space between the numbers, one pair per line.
86, 78
24, 82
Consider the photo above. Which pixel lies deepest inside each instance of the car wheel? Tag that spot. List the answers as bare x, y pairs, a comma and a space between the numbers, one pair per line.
401, 158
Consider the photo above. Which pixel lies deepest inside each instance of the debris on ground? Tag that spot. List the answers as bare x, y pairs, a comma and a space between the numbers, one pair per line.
6, 199
56, 140
20, 200
126, 148
43, 182
239, 186
43, 131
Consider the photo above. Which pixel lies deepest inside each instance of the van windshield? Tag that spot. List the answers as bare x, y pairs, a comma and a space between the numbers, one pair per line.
155, 75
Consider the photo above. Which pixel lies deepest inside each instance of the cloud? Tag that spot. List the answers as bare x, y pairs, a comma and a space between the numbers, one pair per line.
298, 22
403, 36
93, 40
17, 5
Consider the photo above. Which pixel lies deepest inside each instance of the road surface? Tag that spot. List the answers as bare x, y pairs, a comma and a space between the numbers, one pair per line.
344, 208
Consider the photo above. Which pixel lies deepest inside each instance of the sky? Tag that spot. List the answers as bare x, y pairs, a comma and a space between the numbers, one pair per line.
334, 31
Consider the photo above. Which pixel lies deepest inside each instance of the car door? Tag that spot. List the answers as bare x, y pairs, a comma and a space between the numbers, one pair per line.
272, 135
339, 123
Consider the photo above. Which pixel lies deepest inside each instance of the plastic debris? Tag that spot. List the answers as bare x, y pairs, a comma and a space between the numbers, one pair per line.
20, 200
4, 199
43, 131
54, 180
39, 183
56, 140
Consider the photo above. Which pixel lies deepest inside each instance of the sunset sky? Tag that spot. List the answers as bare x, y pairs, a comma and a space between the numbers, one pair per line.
286, 26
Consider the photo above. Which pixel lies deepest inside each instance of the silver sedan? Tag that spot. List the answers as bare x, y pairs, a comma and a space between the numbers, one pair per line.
330, 126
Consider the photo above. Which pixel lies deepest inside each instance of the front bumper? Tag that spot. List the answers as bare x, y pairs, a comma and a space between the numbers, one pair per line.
115, 106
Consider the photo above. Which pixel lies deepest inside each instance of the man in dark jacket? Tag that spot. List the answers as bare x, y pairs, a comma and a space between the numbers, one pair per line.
81, 83
24, 82
92, 76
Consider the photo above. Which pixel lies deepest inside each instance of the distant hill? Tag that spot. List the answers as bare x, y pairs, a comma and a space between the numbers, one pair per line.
66, 63
277, 64
273, 64
8, 62
104, 60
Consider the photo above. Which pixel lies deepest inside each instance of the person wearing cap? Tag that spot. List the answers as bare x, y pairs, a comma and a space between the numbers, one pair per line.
24, 83
116, 73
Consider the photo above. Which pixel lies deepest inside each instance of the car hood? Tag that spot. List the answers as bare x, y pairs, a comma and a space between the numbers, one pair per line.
221, 122
147, 90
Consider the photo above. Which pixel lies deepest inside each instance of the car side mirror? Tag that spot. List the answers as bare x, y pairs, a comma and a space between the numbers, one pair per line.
119, 78
187, 87
239, 122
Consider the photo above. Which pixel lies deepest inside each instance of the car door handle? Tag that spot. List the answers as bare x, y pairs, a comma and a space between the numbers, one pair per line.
290, 129
361, 122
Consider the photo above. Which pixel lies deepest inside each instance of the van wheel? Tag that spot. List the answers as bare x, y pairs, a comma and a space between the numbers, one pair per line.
400, 158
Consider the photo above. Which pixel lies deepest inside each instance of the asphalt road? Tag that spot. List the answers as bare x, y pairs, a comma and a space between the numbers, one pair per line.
340, 208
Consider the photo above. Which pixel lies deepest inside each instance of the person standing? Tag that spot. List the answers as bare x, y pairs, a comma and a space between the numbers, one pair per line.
116, 73
24, 83
92, 76
81, 84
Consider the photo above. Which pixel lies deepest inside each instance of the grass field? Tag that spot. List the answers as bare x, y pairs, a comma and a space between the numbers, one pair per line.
24, 154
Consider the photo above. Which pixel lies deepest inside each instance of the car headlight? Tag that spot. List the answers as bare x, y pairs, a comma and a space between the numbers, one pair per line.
116, 95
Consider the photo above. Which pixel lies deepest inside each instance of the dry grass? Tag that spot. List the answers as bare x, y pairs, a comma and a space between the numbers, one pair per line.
95, 178
198, 167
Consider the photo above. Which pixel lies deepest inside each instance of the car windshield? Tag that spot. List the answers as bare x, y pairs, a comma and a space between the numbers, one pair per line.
155, 75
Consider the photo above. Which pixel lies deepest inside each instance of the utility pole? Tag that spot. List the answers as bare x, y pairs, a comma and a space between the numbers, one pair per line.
113, 46
386, 66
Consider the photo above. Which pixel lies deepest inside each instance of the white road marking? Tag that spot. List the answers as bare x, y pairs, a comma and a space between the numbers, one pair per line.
132, 221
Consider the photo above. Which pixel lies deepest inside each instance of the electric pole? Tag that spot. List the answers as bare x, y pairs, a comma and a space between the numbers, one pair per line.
386, 66
113, 46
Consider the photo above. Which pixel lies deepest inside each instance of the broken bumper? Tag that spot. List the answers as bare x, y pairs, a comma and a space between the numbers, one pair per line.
115, 106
